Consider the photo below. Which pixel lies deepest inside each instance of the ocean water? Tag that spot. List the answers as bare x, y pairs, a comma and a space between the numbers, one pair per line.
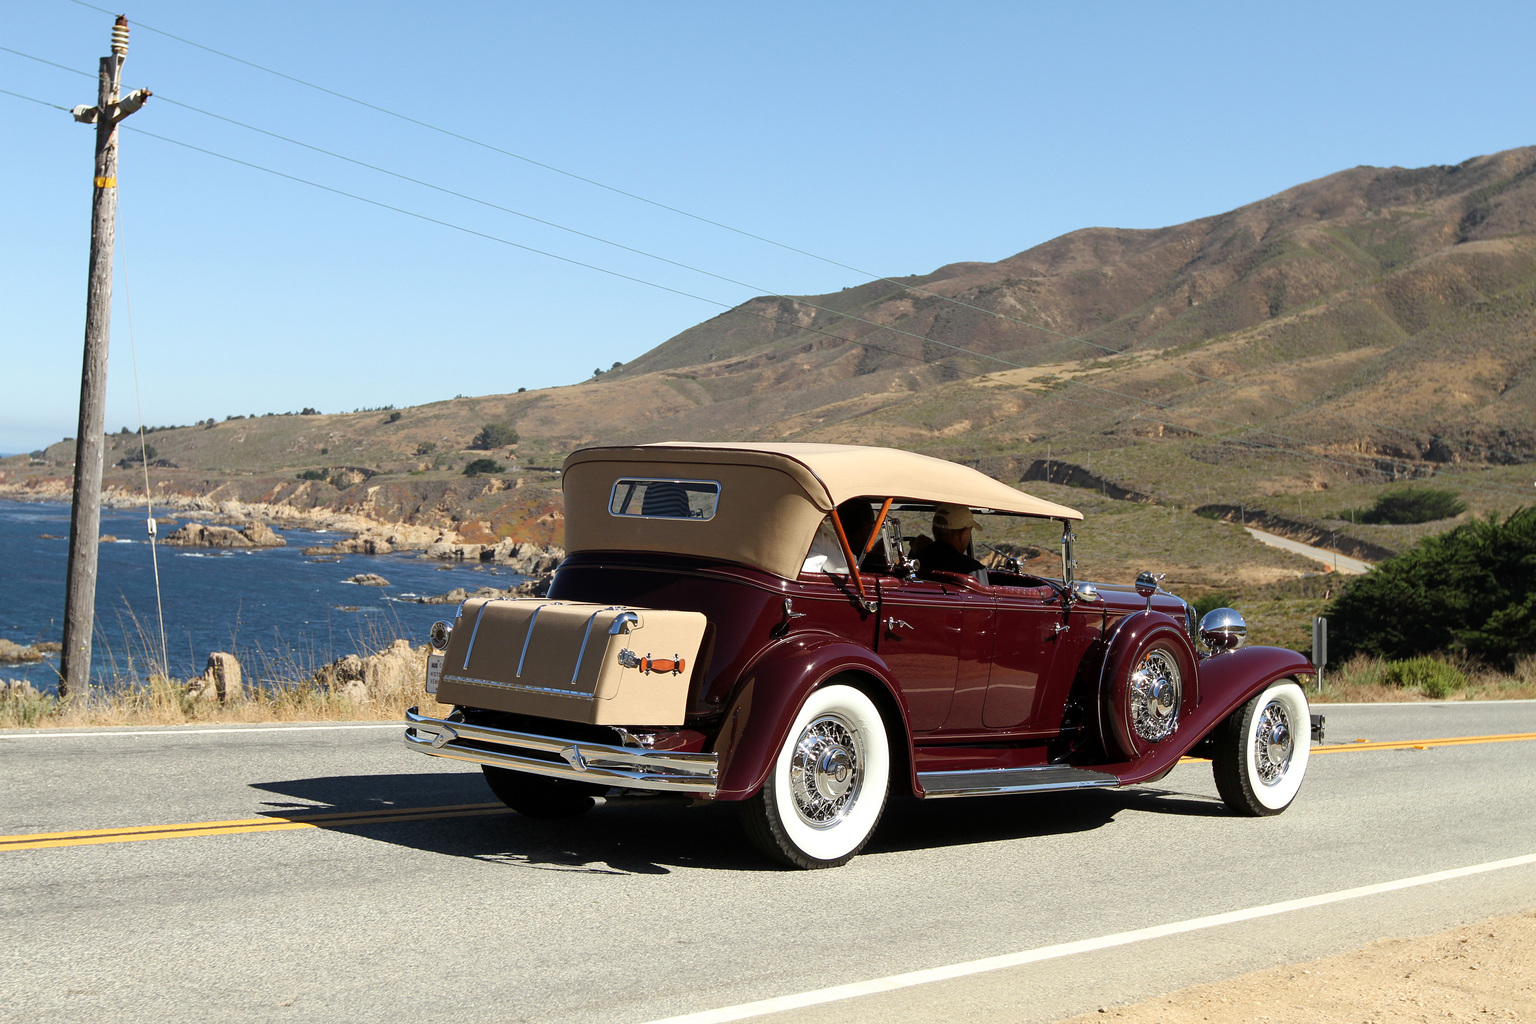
275, 600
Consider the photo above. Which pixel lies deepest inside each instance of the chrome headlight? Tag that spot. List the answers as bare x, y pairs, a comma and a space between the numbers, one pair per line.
1223, 629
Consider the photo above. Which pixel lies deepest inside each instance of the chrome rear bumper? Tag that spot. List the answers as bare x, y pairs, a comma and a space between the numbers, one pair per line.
625, 767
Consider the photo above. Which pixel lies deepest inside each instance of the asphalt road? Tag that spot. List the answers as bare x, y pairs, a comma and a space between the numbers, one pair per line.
639, 913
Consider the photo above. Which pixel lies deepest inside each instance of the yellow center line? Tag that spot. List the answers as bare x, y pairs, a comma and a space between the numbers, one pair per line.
1447, 741
340, 819
278, 823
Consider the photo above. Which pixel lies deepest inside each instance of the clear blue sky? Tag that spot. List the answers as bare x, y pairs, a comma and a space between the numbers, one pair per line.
894, 137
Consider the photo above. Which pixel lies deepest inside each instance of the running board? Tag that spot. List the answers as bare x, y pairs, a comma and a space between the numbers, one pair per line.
1005, 781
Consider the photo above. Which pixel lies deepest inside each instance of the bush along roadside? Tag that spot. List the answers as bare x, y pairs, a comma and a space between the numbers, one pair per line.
1468, 592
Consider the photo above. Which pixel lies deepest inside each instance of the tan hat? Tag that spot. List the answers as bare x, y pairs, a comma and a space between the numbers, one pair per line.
952, 517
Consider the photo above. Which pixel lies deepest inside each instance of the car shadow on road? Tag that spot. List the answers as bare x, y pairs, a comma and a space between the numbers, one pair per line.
655, 836
641, 836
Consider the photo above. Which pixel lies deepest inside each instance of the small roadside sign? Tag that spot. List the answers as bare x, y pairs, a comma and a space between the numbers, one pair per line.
1319, 647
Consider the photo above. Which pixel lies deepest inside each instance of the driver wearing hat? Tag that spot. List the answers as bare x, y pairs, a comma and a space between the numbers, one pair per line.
949, 552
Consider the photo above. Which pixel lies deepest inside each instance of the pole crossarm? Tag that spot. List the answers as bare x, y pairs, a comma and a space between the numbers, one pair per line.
115, 111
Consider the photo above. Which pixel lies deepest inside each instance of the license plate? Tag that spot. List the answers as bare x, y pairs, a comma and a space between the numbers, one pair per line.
434, 671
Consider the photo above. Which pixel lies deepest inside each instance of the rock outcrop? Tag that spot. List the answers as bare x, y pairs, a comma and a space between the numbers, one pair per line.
397, 669
383, 541
16, 654
369, 579
521, 557
198, 535
222, 680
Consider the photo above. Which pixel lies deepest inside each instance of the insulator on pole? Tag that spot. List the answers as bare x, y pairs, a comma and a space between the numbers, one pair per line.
120, 36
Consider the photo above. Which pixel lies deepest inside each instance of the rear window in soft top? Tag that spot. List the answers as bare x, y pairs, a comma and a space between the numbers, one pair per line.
648, 498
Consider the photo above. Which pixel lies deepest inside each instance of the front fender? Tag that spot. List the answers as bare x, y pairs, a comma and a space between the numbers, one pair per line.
769, 695
1226, 682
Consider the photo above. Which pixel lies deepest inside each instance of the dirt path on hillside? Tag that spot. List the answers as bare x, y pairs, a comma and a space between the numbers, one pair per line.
1483, 972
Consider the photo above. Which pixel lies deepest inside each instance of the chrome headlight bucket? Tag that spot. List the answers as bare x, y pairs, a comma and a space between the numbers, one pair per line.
1223, 629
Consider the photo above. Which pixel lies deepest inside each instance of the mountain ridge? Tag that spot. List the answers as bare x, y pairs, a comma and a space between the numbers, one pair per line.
1369, 325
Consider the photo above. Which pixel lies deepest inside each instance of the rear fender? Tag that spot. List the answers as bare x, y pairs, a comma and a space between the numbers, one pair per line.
770, 694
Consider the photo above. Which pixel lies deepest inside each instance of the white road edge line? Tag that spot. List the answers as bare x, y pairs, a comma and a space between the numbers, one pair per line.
250, 730
1482, 704
726, 1014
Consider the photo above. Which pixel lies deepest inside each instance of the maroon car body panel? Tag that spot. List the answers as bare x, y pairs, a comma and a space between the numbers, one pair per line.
972, 675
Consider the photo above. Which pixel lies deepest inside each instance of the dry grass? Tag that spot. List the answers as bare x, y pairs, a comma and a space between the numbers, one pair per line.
381, 686
172, 702
279, 684
1367, 680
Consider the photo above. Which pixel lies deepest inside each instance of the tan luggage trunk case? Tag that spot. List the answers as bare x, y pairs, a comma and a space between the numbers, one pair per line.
579, 662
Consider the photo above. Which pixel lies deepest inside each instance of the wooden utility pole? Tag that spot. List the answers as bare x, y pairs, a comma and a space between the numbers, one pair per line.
90, 435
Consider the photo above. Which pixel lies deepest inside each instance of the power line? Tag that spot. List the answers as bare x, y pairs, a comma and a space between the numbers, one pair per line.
34, 99
1417, 436
874, 277
925, 339
677, 291
52, 64
811, 329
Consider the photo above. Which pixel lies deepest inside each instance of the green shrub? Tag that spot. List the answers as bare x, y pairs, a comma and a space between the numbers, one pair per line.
1471, 590
495, 435
312, 474
393, 417
1405, 506
1210, 602
479, 466
1430, 676
426, 448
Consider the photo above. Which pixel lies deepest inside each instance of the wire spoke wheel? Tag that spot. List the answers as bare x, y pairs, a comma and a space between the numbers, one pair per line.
826, 771
1261, 751
827, 788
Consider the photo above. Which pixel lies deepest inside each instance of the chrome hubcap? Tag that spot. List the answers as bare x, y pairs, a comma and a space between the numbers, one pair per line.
1273, 743
825, 771
1155, 693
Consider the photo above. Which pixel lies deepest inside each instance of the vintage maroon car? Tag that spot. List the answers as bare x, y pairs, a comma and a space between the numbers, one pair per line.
706, 637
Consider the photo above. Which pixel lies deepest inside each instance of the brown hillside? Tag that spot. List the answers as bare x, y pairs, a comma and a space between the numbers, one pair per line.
1298, 353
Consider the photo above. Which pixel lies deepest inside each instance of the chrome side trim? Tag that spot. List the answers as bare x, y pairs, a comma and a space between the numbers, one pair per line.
1004, 781
533, 620
624, 767
521, 687
470, 650
587, 635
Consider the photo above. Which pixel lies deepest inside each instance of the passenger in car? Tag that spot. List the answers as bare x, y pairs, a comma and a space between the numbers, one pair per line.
949, 552
858, 519
665, 500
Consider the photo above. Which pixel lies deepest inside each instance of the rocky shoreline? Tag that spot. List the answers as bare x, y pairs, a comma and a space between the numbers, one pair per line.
248, 524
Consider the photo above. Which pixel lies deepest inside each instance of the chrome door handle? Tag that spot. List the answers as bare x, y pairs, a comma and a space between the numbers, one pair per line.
892, 622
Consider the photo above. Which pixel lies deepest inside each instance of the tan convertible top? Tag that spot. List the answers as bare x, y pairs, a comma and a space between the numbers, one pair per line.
772, 497
833, 473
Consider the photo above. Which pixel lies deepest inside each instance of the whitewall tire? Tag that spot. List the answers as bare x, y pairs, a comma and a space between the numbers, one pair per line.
1261, 751
828, 784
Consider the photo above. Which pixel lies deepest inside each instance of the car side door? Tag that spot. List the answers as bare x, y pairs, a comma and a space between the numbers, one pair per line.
932, 634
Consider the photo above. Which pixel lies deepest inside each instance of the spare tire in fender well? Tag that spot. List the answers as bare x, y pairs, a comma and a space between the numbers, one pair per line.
1137, 636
